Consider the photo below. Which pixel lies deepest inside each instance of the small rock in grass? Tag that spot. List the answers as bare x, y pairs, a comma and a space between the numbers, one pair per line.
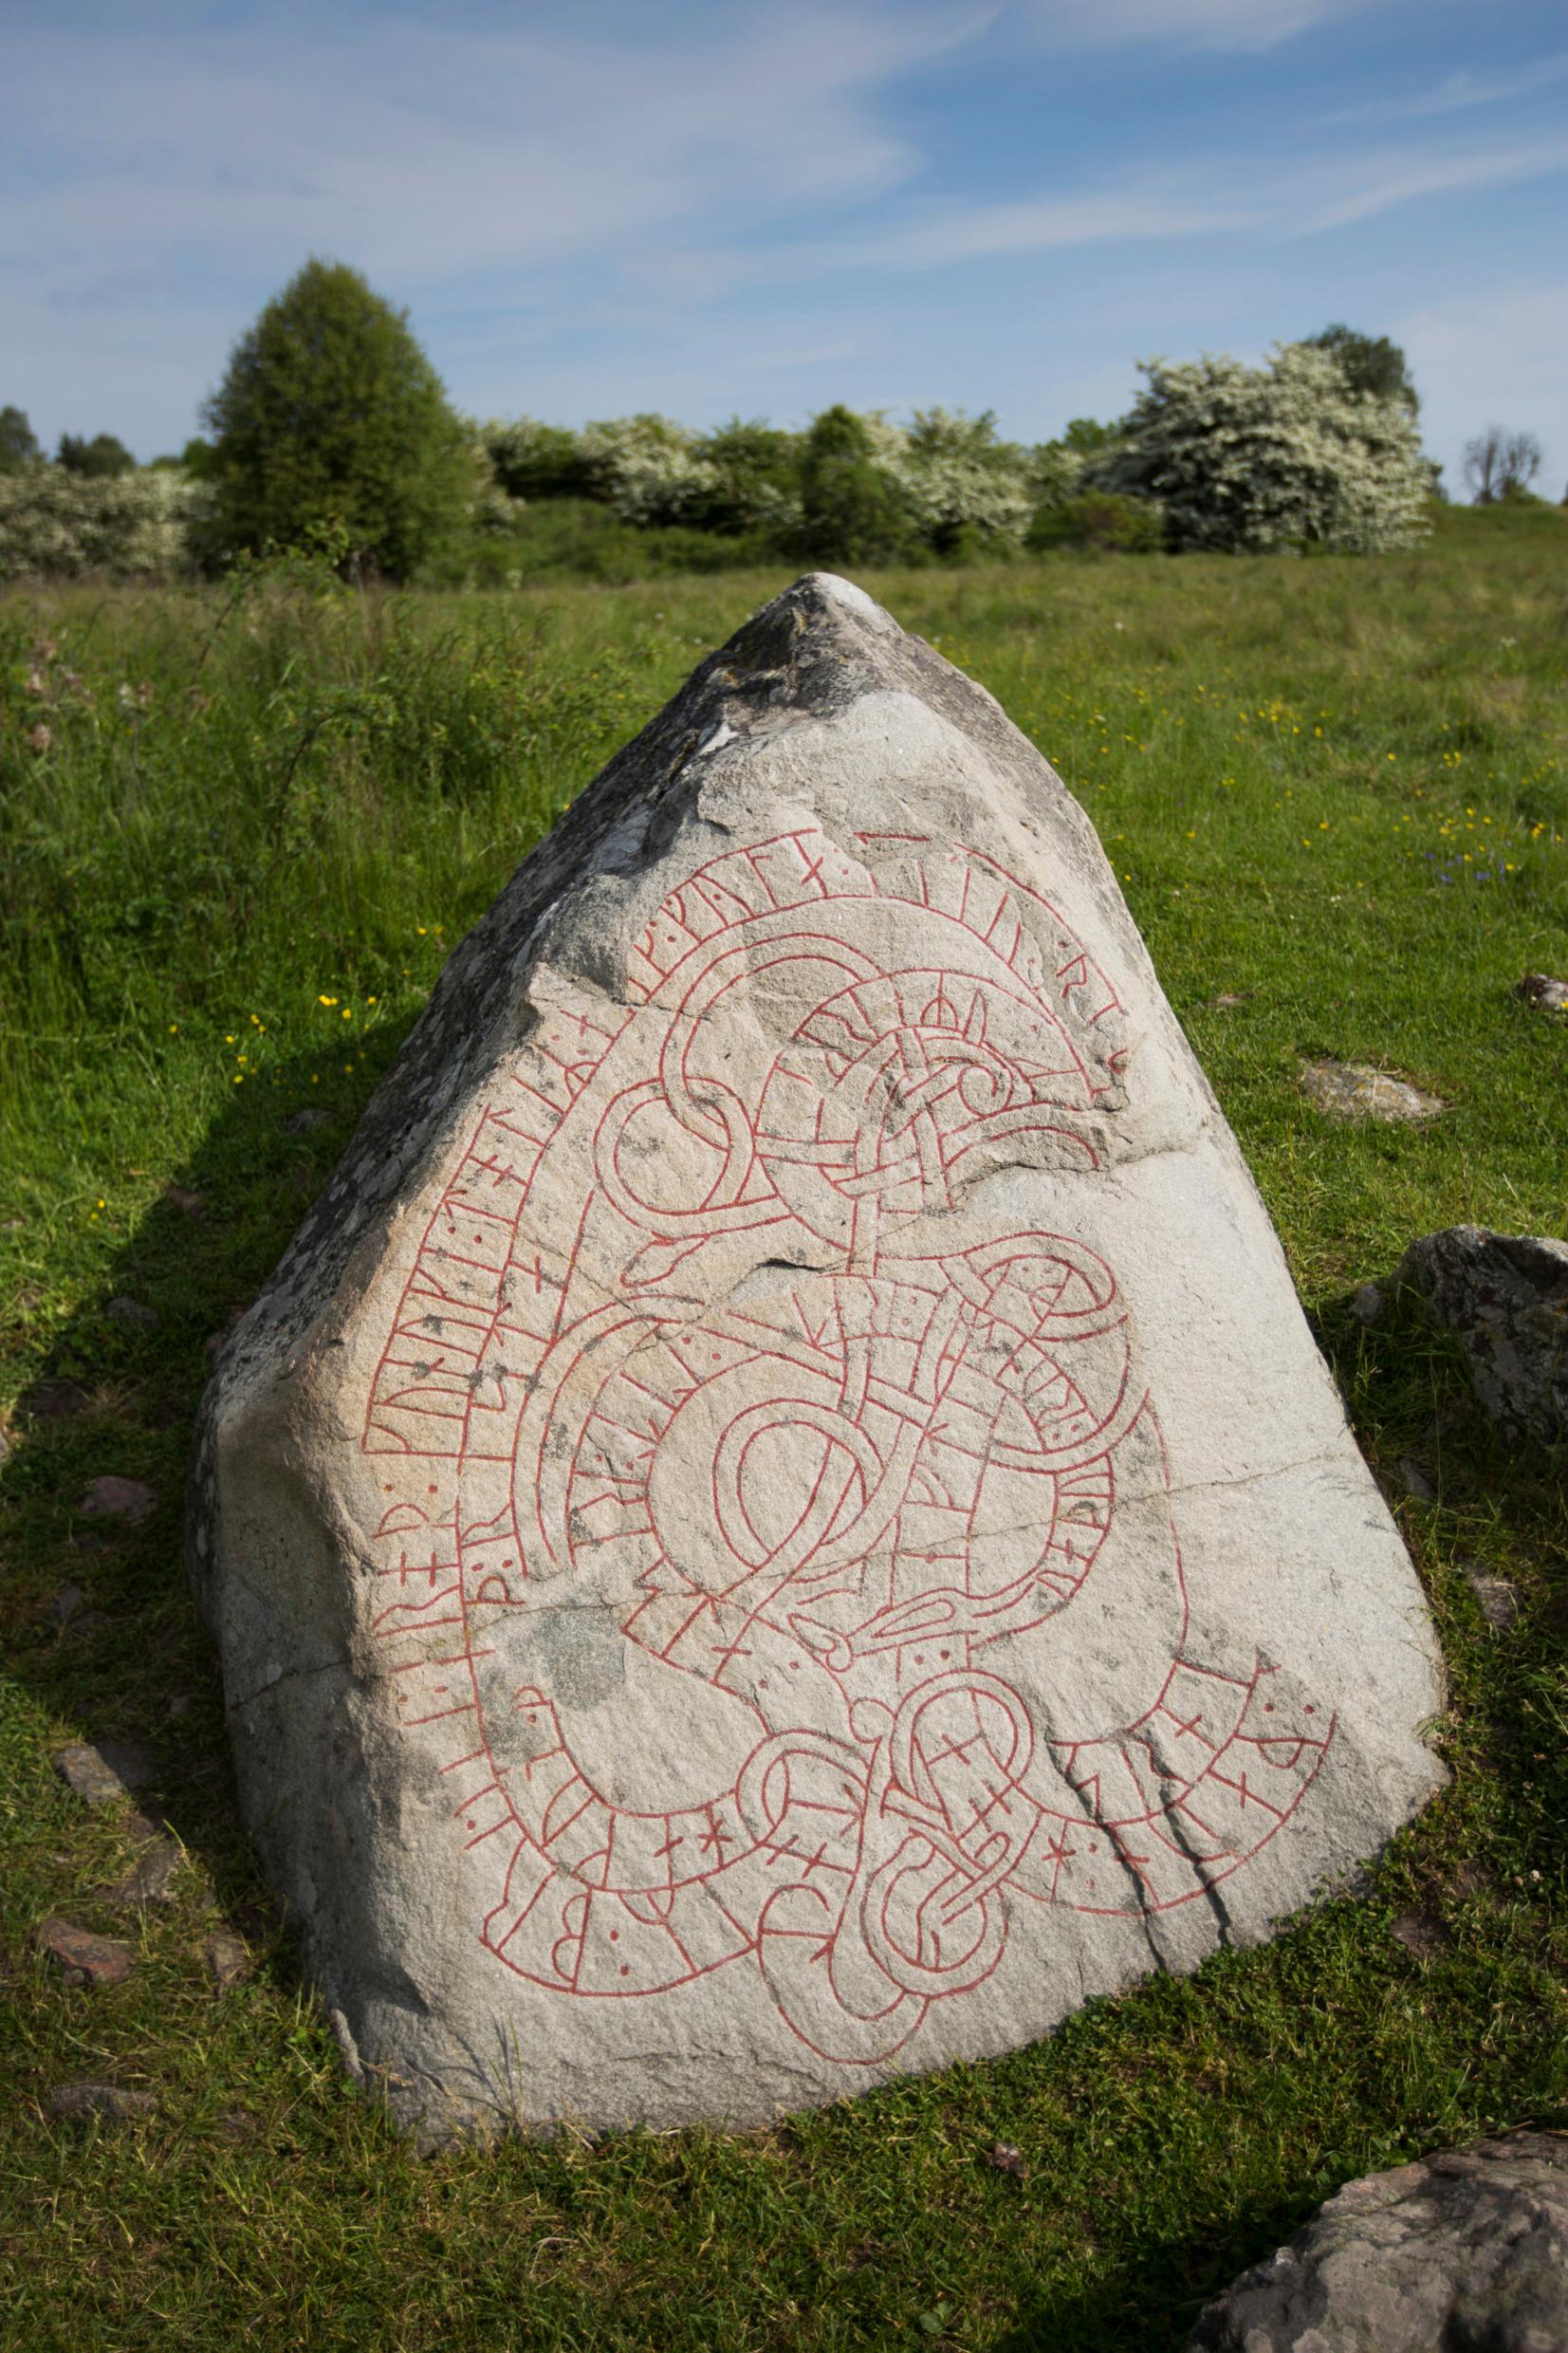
1541, 991
307, 1122
101, 2100
227, 1962
1420, 1931
150, 1880
1415, 1480
189, 1204
1469, 2246
87, 1772
131, 1312
114, 1498
85, 1958
1499, 1599
1355, 1090
1009, 2159
102, 1770
1506, 1298
1366, 1305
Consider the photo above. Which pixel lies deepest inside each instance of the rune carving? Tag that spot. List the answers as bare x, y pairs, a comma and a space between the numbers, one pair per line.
745, 1488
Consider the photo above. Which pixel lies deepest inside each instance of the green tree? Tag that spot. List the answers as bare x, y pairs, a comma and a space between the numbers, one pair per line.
1370, 363
331, 413
533, 460
853, 510
751, 477
100, 459
18, 444
195, 459
1087, 437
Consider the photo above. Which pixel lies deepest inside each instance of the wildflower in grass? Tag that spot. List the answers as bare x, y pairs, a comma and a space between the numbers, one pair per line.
39, 738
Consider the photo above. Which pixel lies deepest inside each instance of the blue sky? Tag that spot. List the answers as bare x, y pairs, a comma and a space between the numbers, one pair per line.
766, 205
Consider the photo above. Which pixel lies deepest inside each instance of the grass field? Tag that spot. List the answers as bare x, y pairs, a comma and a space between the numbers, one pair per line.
233, 853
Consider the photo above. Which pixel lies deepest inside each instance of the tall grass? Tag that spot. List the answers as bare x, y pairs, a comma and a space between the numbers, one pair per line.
1336, 794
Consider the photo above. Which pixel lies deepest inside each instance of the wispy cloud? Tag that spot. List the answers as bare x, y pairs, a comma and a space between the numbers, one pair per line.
1378, 185
1138, 212
1248, 26
1458, 91
421, 145
1147, 210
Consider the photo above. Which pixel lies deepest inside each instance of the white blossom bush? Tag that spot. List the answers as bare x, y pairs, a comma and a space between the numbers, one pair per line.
959, 478
1261, 459
647, 467
55, 522
1055, 474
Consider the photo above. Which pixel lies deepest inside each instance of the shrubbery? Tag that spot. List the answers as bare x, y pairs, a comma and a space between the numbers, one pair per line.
1286, 456
331, 419
55, 521
1103, 521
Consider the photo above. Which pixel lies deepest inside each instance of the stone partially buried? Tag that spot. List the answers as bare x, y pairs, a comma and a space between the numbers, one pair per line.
779, 1523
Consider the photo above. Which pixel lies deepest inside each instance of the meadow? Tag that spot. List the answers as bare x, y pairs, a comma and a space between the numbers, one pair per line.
240, 828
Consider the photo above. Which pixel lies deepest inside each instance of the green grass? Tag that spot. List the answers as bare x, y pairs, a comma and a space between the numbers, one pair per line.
1337, 792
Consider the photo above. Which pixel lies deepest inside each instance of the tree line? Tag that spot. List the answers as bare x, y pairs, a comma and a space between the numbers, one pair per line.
330, 417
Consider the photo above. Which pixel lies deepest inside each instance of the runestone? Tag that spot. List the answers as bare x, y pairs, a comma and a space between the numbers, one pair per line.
781, 1523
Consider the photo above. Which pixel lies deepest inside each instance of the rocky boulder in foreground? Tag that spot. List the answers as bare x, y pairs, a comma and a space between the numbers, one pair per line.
1505, 1296
1465, 2252
779, 1522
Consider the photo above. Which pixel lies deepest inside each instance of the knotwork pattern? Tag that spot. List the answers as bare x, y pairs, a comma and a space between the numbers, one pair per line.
749, 1497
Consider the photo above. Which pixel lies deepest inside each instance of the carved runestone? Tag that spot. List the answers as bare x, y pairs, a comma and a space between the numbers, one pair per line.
779, 1523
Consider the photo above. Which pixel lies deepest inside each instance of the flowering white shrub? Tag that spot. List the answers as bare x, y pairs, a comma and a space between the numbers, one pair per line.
1056, 474
1284, 455
647, 467
55, 521
959, 477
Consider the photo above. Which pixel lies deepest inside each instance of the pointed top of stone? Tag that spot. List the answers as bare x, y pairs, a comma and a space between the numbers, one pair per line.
779, 1522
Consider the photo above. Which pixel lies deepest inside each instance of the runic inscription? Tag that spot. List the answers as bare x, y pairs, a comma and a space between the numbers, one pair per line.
739, 1478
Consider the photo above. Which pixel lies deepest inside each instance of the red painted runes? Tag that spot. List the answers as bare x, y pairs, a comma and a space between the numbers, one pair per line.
747, 1487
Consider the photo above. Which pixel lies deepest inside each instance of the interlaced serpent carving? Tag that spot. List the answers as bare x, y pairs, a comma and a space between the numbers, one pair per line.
752, 1503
